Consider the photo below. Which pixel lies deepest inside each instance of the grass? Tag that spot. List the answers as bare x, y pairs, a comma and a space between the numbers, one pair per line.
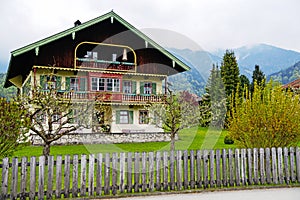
189, 139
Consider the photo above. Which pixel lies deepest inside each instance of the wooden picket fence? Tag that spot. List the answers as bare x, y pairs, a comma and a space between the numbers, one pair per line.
112, 174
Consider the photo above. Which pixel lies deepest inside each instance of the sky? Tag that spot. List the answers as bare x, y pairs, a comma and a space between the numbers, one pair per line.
210, 24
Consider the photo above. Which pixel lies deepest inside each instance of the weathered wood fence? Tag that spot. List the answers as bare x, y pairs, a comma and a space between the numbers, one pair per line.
111, 174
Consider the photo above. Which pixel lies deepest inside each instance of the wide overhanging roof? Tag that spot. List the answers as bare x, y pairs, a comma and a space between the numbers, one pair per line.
89, 23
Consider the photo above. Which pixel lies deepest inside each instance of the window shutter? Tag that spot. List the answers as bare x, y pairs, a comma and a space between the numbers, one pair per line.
58, 82
42, 81
117, 117
133, 87
131, 117
154, 88
141, 87
67, 83
82, 84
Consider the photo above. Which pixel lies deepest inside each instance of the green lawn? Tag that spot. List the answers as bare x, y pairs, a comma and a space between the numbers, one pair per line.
192, 138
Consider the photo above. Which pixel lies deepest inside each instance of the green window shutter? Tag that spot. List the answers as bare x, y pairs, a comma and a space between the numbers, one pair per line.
141, 87
43, 80
117, 117
153, 88
67, 83
133, 87
58, 82
123, 90
82, 84
130, 117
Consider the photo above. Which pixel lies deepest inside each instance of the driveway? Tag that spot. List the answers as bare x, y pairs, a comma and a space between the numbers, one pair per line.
255, 194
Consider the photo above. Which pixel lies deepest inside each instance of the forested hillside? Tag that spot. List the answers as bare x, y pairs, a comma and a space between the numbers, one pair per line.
6, 92
287, 75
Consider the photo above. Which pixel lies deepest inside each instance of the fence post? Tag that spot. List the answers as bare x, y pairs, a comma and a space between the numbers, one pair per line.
23, 177
212, 167
144, 172
4, 186
14, 179
91, 174
237, 167
185, 170
158, 168
114, 173
129, 172
224, 167
280, 167
172, 170
165, 170
106, 173
58, 176
32, 177
83, 176
151, 171
199, 169
298, 163
274, 166
218, 167
262, 165
286, 164
50, 177
179, 170
192, 169
67, 177
99, 175
75, 177
268, 166
122, 172
255, 162
41, 177
136, 171
205, 170
243, 166
292, 164
250, 167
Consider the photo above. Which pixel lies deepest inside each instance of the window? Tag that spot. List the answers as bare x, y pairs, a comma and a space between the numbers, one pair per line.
50, 82
124, 117
147, 88
56, 118
74, 84
95, 55
143, 117
40, 117
105, 84
127, 87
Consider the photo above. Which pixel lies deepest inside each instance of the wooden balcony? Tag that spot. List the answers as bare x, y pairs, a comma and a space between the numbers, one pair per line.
104, 65
112, 97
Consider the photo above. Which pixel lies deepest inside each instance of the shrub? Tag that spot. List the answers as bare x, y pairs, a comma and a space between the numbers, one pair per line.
269, 117
228, 140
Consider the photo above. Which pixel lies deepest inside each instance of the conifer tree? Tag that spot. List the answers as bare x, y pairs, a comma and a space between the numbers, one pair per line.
258, 76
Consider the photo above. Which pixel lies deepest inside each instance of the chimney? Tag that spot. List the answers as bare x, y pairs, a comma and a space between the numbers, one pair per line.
77, 23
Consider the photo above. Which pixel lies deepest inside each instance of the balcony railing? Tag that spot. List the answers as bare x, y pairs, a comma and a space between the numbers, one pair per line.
104, 65
111, 97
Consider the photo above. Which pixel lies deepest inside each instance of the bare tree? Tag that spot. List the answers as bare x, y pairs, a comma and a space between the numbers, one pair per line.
54, 114
180, 110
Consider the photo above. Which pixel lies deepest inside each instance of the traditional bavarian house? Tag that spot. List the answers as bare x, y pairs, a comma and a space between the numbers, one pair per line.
105, 59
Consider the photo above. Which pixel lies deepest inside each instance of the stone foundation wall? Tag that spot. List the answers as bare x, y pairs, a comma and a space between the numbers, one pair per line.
105, 138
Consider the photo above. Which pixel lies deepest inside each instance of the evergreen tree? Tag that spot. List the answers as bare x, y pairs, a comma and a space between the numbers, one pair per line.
213, 104
258, 76
244, 84
230, 73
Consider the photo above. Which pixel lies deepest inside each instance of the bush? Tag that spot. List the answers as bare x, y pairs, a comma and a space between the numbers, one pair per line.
269, 117
228, 140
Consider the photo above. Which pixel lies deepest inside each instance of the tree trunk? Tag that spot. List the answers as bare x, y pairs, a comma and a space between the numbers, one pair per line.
172, 146
46, 150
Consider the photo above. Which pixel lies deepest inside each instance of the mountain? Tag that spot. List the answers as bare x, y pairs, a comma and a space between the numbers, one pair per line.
287, 75
270, 59
7, 93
